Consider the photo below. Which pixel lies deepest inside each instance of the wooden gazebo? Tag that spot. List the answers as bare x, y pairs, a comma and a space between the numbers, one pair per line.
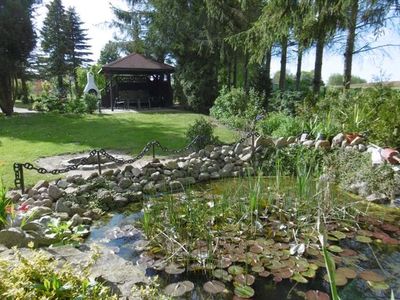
137, 81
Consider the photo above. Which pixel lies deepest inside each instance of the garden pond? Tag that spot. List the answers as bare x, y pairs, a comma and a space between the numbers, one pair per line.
259, 238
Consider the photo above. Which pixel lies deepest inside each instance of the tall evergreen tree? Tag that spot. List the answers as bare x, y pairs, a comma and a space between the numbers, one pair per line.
55, 43
17, 40
77, 47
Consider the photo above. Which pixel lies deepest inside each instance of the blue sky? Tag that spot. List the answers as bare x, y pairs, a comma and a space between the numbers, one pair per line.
383, 64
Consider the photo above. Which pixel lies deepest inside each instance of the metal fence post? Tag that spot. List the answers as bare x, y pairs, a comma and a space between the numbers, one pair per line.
19, 177
154, 150
99, 162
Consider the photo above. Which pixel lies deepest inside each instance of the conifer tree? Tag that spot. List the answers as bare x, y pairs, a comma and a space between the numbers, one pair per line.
17, 39
77, 47
55, 43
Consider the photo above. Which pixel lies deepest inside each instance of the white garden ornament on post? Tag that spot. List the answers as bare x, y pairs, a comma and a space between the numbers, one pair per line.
91, 87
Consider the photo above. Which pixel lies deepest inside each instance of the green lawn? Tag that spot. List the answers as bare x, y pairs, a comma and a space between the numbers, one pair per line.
25, 138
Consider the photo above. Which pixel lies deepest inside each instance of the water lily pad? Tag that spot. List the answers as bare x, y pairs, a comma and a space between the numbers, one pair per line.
310, 273
340, 279
299, 278
347, 272
348, 252
371, 276
316, 295
364, 232
257, 249
214, 287
244, 291
258, 269
338, 234
264, 274
235, 270
284, 273
335, 249
313, 251
363, 239
174, 269
225, 262
242, 279
179, 288
379, 286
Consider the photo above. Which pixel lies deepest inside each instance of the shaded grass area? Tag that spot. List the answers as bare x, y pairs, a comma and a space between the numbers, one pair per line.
25, 138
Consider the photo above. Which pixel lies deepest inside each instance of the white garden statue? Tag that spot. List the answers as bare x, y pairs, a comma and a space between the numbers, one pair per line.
91, 87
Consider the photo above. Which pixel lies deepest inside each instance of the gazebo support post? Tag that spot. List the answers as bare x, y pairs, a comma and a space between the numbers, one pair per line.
111, 93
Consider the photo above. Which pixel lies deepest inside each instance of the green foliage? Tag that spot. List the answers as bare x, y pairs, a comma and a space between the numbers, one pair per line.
236, 107
375, 111
292, 161
204, 130
151, 290
109, 53
286, 101
351, 167
17, 40
91, 102
42, 278
63, 233
279, 124
337, 79
52, 103
5, 204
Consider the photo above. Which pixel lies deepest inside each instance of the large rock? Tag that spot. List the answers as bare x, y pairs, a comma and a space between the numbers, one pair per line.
38, 212
172, 164
338, 140
125, 183
61, 207
263, 142
281, 142
105, 198
11, 237
176, 185
322, 144
378, 198
122, 278
40, 184
55, 192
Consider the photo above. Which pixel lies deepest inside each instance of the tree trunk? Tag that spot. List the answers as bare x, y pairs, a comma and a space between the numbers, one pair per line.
234, 70
246, 73
25, 90
351, 35
298, 71
282, 75
268, 84
6, 98
318, 65
60, 86
228, 79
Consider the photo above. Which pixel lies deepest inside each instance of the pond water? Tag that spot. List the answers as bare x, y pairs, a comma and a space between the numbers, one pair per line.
118, 232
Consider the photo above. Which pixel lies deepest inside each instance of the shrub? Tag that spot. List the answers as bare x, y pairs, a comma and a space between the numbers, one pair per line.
42, 278
91, 102
50, 102
77, 106
237, 108
278, 124
285, 101
4, 206
202, 129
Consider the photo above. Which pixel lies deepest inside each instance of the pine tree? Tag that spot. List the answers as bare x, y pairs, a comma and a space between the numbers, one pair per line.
77, 47
17, 39
55, 43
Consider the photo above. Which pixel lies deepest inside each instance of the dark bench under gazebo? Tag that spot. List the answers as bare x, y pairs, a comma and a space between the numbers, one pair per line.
137, 81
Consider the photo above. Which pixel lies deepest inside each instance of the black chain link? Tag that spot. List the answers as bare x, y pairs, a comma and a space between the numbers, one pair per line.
83, 161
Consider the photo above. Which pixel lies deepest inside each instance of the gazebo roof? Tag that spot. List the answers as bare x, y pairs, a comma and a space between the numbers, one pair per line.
136, 63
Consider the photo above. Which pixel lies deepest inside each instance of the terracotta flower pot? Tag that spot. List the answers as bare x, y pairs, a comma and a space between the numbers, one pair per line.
391, 155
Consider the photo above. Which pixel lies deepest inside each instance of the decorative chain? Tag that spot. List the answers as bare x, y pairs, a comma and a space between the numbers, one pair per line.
149, 146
